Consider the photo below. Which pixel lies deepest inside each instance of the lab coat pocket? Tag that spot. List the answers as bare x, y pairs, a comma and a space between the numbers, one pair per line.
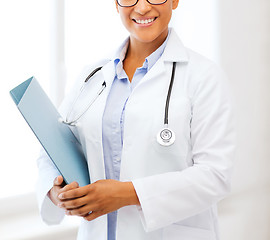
179, 232
179, 122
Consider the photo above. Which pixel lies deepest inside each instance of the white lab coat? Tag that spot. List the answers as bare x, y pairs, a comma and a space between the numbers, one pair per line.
178, 186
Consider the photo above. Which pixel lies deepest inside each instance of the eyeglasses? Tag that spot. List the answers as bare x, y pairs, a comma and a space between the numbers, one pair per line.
131, 3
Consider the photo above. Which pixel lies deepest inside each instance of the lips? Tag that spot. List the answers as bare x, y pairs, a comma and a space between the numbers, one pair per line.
144, 21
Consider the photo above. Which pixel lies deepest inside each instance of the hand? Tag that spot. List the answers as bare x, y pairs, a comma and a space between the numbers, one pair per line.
97, 199
59, 187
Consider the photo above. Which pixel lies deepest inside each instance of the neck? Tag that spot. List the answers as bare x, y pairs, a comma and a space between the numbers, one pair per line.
140, 50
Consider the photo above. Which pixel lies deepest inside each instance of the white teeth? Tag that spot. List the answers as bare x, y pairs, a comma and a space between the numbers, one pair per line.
144, 21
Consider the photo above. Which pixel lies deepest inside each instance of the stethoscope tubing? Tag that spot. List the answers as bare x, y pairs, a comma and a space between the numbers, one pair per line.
103, 86
166, 116
165, 137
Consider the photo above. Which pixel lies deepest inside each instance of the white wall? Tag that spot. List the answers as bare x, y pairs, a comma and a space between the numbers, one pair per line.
20, 220
244, 39
196, 23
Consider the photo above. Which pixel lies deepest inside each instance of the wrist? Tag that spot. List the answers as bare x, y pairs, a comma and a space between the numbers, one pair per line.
131, 195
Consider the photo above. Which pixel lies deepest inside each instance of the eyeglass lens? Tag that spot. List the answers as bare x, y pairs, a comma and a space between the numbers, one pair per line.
130, 3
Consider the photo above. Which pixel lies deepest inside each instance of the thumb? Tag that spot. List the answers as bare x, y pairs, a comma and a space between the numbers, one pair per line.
58, 180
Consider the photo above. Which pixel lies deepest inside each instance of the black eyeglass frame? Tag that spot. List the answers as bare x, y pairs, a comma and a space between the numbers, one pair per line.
138, 1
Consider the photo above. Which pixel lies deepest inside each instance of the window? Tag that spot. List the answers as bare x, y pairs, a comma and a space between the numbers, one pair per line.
24, 48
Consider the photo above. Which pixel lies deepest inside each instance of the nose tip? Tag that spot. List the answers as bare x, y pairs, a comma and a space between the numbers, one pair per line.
143, 6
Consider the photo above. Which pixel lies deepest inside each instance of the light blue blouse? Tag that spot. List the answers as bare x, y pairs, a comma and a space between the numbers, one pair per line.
114, 117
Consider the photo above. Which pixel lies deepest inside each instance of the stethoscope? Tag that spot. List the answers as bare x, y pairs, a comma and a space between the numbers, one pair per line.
165, 136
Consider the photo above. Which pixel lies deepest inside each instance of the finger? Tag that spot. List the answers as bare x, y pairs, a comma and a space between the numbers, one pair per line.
73, 193
58, 181
82, 211
73, 204
69, 187
93, 215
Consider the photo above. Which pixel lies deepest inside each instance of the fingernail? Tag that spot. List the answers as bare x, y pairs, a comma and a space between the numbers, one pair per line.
60, 196
60, 205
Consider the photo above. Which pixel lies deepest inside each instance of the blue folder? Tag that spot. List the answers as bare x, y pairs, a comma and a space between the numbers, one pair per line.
56, 138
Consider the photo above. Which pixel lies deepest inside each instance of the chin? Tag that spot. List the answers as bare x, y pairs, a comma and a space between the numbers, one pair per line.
146, 37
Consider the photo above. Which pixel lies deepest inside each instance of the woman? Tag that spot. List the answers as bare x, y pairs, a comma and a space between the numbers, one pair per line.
162, 192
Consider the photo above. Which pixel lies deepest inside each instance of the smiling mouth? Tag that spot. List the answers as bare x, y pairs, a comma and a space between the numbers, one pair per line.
144, 21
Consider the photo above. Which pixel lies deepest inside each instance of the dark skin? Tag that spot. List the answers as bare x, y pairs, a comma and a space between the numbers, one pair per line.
105, 196
99, 198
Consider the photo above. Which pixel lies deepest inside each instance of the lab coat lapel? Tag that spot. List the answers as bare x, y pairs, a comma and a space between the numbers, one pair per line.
174, 52
94, 147
108, 73
156, 70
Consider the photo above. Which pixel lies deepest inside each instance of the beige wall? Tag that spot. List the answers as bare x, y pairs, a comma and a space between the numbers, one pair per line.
244, 41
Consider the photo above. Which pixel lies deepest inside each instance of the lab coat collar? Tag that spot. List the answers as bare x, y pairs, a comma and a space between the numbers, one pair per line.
118, 54
108, 71
175, 50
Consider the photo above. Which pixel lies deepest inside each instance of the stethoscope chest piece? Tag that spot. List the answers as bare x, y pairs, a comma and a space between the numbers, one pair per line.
166, 137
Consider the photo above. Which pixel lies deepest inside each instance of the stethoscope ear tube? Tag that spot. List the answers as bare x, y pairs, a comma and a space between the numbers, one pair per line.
92, 73
103, 86
166, 136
